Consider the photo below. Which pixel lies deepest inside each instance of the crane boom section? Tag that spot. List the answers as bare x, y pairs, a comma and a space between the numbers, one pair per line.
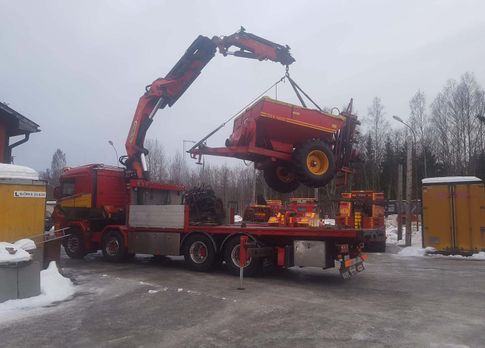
166, 91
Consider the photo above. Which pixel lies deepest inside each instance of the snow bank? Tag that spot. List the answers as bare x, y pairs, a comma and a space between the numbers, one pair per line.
54, 287
391, 233
415, 251
25, 244
12, 253
12, 171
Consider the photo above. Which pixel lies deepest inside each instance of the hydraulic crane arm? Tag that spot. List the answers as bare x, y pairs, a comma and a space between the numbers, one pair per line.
166, 91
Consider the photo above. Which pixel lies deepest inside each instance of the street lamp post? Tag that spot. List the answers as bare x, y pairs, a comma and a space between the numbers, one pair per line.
116, 152
409, 181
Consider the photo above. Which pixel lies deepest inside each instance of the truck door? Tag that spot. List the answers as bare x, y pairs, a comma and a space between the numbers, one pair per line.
438, 223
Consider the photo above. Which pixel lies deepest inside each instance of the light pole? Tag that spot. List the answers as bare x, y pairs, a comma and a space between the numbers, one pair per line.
409, 181
116, 152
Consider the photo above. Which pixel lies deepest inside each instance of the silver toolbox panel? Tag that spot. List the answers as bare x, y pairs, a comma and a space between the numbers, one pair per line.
154, 243
157, 216
309, 253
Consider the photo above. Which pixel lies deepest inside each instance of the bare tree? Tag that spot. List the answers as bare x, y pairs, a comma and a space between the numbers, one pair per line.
458, 135
156, 160
378, 130
58, 163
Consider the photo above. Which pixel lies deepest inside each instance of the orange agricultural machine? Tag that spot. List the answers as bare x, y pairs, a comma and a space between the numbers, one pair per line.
290, 143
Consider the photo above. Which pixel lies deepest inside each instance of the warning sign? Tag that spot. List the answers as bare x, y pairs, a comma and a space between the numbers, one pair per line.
29, 194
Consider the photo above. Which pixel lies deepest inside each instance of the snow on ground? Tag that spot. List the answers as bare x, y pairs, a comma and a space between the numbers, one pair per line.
54, 287
391, 233
416, 248
12, 253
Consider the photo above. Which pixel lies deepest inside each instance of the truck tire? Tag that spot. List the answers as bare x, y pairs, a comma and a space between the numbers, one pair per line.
281, 177
199, 253
231, 257
314, 163
113, 247
74, 244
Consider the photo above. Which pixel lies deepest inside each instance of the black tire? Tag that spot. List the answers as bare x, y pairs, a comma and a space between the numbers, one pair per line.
231, 258
281, 177
113, 247
199, 253
74, 244
314, 163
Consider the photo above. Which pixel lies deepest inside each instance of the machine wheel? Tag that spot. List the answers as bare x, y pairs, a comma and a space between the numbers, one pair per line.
314, 163
74, 245
199, 253
281, 177
231, 258
114, 247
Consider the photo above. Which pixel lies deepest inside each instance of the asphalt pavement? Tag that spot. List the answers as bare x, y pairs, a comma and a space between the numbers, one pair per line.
148, 302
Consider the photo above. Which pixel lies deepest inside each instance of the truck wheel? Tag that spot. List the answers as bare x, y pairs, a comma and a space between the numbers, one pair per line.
281, 177
74, 245
314, 163
199, 253
113, 247
231, 258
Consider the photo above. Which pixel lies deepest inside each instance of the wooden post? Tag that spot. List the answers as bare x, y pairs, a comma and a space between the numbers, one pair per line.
399, 201
409, 190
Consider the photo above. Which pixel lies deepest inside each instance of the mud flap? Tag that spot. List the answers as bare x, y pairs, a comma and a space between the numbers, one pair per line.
350, 267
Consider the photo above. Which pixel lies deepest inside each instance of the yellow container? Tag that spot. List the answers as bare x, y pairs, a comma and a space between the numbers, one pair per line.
22, 209
454, 214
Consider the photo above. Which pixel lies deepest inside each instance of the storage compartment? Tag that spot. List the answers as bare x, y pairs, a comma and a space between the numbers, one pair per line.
310, 253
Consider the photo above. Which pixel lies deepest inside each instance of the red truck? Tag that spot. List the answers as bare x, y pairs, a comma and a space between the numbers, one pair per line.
121, 212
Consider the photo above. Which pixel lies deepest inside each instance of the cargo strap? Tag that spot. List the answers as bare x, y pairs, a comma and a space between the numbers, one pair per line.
296, 88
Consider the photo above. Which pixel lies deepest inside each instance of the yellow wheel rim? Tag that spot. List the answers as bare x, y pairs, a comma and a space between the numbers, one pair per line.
284, 175
317, 162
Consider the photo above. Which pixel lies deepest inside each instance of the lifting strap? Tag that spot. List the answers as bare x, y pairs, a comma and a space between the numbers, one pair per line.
296, 88
201, 142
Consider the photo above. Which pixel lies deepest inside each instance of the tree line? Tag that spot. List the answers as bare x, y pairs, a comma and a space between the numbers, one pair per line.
447, 136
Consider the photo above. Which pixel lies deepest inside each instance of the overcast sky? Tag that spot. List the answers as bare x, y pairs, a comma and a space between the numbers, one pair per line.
78, 68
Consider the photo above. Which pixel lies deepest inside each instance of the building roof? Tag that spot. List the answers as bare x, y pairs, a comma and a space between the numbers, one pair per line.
451, 179
17, 123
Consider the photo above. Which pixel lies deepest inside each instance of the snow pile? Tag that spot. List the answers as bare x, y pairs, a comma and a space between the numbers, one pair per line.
416, 251
25, 244
12, 253
11, 171
391, 233
53, 286
478, 256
